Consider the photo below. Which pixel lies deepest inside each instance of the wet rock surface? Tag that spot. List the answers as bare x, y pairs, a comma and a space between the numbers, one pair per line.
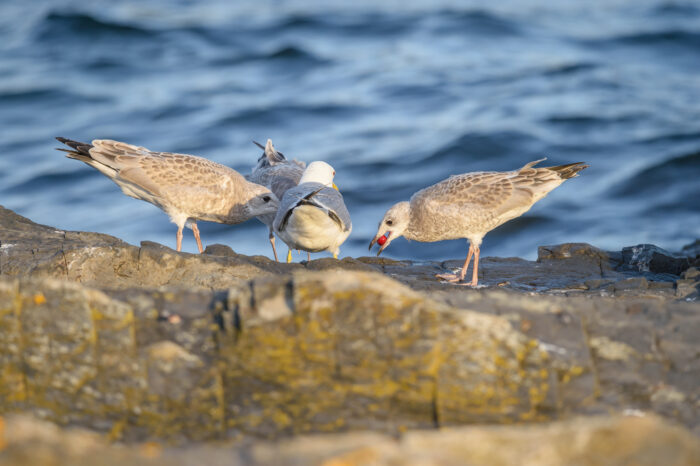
102, 261
144, 343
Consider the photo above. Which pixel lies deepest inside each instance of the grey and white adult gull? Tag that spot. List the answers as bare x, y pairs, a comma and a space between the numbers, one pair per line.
312, 216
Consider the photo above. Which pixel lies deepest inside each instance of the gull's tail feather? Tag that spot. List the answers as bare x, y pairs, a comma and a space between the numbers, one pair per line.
569, 170
80, 150
270, 155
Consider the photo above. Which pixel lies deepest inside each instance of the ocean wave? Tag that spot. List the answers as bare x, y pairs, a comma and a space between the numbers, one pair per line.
46, 96
57, 26
675, 9
677, 176
285, 113
372, 24
487, 151
672, 137
589, 121
50, 181
292, 54
662, 39
477, 22
570, 68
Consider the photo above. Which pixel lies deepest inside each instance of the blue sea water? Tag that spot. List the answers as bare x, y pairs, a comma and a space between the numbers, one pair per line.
395, 95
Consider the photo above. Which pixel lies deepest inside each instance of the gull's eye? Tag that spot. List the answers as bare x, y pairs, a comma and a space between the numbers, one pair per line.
389, 222
266, 198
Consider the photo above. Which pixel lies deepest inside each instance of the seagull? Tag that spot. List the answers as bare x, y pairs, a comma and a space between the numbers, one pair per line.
469, 206
186, 187
277, 174
312, 216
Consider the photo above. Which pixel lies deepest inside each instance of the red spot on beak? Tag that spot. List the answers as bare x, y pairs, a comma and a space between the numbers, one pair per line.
381, 240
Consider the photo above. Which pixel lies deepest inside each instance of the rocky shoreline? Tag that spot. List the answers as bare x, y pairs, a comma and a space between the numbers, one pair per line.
146, 344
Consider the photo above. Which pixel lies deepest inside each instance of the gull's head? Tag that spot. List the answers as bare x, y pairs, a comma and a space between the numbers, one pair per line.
319, 172
262, 202
393, 225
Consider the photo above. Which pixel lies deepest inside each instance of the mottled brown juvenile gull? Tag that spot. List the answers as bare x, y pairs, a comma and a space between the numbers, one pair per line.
277, 174
186, 187
312, 216
469, 206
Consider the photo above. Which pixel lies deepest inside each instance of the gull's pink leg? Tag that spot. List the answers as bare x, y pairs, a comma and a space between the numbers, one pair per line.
308, 256
475, 273
179, 238
195, 230
453, 277
463, 273
272, 242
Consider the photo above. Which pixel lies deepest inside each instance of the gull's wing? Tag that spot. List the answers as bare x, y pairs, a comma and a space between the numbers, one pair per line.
155, 171
278, 178
186, 182
495, 192
314, 194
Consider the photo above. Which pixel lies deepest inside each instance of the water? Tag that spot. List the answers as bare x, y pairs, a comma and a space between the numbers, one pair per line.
395, 96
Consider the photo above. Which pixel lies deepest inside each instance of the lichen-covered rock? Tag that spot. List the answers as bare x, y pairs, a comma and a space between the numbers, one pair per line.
331, 351
147, 343
311, 352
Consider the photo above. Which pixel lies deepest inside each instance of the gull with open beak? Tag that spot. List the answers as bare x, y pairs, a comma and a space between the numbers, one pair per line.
469, 206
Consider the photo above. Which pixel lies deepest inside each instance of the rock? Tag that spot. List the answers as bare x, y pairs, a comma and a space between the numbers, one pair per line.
688, 290
144, 343
574, 250
597, 283
28, 249
637, 283
219, 250
616, 440
332, 351
692, 250
650, 258
310, 353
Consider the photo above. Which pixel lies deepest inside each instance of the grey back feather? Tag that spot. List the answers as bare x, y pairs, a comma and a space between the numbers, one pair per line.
327, 199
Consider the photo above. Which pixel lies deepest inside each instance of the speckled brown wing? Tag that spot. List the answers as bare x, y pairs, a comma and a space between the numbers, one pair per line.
472, 204
186, 182
484, 191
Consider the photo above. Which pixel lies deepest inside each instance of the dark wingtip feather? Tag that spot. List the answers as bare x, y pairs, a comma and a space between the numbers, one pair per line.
80, 148
569, 170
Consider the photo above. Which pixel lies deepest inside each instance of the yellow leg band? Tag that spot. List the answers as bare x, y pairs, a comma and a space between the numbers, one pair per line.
289, 256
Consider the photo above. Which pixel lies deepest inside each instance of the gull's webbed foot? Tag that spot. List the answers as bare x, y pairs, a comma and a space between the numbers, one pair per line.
449, 277
456, 279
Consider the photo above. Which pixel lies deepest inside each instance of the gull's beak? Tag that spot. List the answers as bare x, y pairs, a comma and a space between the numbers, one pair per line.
371, 243
335, 187
383, 246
